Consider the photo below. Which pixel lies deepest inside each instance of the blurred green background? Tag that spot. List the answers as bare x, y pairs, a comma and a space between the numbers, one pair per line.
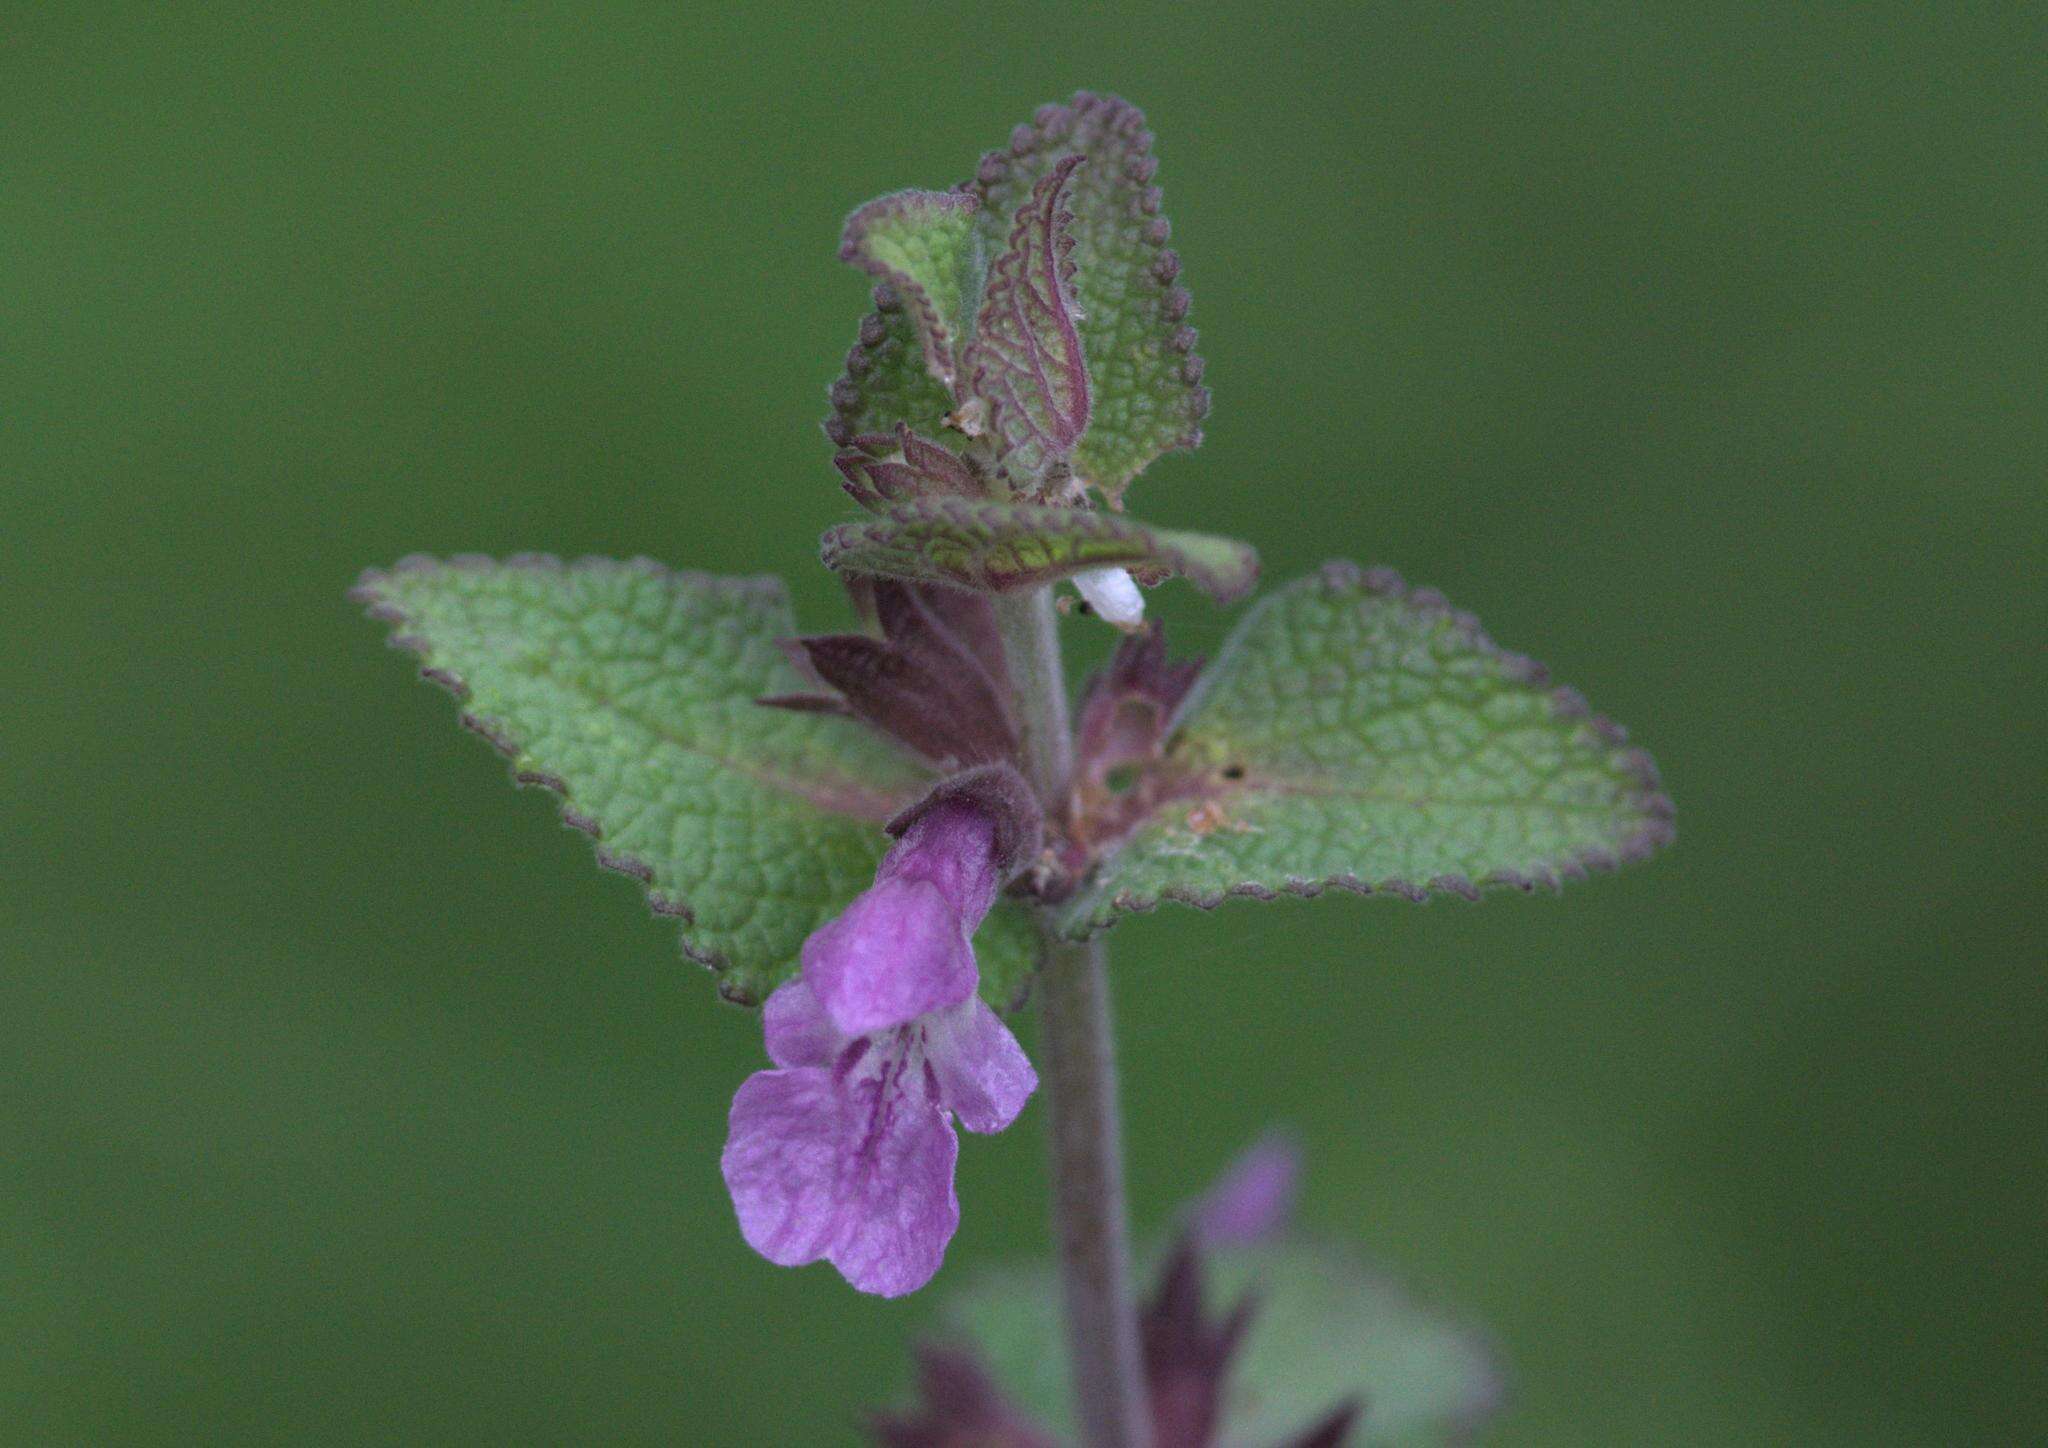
1700, 351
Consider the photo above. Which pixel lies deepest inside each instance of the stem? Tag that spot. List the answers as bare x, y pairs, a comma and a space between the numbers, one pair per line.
1088, 1195
1079, 1051
1031, 647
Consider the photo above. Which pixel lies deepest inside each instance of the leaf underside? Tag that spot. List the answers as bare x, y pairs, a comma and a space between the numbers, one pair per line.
1358, 734
1325, 1328
923, 244
628, 689
1148, 396
1025, 362
1004, 546
886, 381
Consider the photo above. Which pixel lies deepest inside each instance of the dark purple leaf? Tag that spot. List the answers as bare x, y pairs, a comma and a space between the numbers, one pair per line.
934, 681
879, 470
962, 1408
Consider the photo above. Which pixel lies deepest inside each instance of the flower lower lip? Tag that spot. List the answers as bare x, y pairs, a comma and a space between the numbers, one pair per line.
845, 1150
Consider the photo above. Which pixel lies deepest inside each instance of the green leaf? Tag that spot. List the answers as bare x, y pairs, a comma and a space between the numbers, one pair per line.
1148, 397
629, 690
886, 381
1357, 734
925, 246
1004, 546
1326, 1328
1025, 364
1331, 1328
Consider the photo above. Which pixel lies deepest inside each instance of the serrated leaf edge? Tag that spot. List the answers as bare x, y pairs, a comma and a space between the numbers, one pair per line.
1649, 799
1030, 293
847, 395
1114, 113
367, 592
935, 335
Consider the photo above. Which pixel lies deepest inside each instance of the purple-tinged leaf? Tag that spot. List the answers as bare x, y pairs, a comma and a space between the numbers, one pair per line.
1025, 363
1122, 774
931, 617
925, 247
1127, 710
935, 681
1148, 396
999, 547
1188, 1356
937, 715
962, 1408
880, 471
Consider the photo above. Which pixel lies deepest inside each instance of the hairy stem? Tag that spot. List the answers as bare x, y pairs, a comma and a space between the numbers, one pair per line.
1031, 646
1079, 1052
1088, 1195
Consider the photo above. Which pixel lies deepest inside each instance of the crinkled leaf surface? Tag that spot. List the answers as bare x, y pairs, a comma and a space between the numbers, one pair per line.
1002, 546
629, 690
1355, 733
1146, 379
1025, 362
886, 381
925, 246
1327, 1328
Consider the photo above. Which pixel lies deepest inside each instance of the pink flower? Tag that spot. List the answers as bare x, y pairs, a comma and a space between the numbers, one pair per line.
846, 1151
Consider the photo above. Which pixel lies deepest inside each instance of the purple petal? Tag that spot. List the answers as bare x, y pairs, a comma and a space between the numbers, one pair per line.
797, 1030
983, 1074
953, 847
856, 1171
898, 951
1254, 1198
